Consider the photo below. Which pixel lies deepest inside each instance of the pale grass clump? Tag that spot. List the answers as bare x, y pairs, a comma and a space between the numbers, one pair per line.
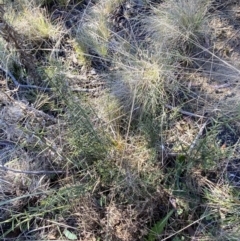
94, 30
34, 23
142, 82
178, 22
7, 56
110, 5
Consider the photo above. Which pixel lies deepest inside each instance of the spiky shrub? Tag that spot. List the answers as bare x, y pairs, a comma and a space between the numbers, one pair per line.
85, 138
178, 23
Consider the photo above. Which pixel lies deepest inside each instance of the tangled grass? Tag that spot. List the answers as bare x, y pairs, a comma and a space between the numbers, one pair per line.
119, 120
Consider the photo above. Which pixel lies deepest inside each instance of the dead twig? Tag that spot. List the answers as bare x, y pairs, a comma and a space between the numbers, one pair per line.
6, 143
184, 112
42, 172
198, 136
18, 85
223, 86
85, 89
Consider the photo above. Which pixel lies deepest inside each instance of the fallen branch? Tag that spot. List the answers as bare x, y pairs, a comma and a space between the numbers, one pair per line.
6, 143
222, 86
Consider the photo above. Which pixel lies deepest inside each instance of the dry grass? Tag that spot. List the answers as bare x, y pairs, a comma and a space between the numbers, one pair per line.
178, 23
136, 136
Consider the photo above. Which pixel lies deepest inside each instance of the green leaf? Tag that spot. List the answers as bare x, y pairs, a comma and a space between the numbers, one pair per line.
179, 211
69, 235
158, 227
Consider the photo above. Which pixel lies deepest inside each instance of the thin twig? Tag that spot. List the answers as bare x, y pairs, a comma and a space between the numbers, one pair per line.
179, 231
6, 143
18, 85
184, 112
31, 172
38, 113
78, 89
197, 137
43, 172
222, 86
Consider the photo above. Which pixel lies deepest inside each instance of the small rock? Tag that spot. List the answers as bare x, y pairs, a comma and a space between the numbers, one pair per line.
93, 72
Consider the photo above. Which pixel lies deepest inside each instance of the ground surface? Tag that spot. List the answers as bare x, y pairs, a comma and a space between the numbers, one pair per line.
109, 133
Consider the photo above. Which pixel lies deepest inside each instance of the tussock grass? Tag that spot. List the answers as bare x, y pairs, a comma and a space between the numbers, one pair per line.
143, 80
178, 23
34, 23
94, 31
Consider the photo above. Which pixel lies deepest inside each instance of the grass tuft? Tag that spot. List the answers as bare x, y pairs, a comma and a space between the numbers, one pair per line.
178, 23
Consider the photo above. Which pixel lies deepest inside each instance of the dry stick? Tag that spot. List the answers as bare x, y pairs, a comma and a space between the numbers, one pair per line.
179, 231
222, 86
201, 129
184, 112
38, 112
197, 137
57, 223
18, 85
43, 172
85, 89
31, 172
6, 143
30, 109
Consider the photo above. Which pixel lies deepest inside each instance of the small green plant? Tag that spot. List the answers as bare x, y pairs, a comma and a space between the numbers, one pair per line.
158, 227
81, 51
83, 137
